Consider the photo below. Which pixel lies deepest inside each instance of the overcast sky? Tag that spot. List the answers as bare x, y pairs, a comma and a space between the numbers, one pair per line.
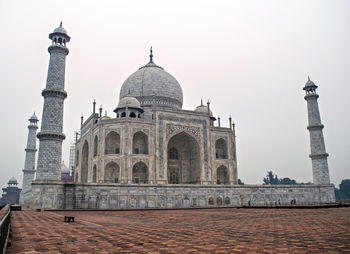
251, 59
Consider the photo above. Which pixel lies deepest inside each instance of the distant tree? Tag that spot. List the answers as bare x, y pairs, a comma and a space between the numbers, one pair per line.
271, 178
287, 181
338, 194
240, 182
344, 188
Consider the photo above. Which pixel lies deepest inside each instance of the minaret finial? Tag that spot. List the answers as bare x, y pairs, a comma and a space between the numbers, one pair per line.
151, 56
201, 102
308, 78
61, 23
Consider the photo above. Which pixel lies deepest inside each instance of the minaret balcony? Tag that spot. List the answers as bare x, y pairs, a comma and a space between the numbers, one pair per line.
58, 48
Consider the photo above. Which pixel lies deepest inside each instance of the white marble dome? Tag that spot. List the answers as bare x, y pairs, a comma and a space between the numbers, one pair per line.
152, 85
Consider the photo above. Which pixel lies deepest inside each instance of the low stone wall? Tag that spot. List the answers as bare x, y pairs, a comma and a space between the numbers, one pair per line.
57, 195
4, 211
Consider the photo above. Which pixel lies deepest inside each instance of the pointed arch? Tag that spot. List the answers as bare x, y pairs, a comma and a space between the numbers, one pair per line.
221, 149
219, 201
140, 143
95, 146
94, 174
183, 159
112, 143
222, 176
112, 172
77, 158
140, 173
85, 162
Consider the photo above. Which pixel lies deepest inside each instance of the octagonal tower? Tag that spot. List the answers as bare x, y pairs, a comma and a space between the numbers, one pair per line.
50, 135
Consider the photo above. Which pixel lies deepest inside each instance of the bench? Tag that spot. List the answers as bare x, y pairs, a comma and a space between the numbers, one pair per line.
68, 219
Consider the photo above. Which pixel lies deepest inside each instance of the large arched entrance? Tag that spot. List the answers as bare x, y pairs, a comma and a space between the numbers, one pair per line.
183, 160
85, 162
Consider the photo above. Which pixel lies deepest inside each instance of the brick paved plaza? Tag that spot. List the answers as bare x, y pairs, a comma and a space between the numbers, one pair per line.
183, 231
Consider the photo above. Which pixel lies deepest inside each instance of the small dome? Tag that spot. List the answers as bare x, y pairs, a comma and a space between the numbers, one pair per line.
12, 181
309, 83
105, 116
129, 101
33, 118
64, 168
60, 29
203, 109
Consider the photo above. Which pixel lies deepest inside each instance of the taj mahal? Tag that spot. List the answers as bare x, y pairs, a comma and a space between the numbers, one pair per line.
151, 153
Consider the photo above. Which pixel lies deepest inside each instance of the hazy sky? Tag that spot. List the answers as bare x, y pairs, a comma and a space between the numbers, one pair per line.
251, 59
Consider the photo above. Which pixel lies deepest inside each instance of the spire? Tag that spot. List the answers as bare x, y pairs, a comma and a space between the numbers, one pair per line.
151, 56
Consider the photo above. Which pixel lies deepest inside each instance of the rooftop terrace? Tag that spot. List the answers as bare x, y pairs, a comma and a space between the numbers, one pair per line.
228, 230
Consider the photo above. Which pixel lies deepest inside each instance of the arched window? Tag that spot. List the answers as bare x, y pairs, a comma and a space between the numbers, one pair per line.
132, 115
95, 146
94, 174
222, 175
77, 158
85, 162
210, 201
60, 41
112, 172
140, 173
227, 201
219, 201
123, 114
221, 149
112, 143
173, 154
140, 143
139, 116
76, 177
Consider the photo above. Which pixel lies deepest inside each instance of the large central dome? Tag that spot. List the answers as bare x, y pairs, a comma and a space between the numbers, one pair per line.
152, 85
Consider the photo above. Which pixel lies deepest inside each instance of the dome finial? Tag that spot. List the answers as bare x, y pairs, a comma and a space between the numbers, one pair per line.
61, 23
308, 78
151, 56
201, 102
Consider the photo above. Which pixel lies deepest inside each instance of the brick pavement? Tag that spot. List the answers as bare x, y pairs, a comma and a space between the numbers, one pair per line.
183, 231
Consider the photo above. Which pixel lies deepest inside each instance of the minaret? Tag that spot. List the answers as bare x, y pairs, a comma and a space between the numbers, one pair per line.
50, 135
29, 163
318, 150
